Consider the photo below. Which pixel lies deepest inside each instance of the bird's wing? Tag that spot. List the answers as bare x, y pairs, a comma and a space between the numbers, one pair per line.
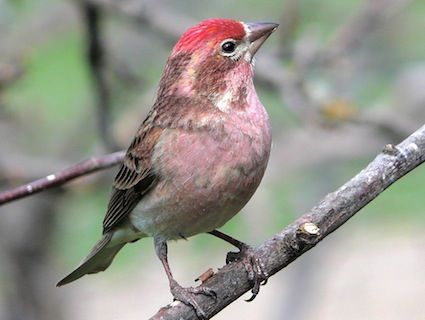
135, 176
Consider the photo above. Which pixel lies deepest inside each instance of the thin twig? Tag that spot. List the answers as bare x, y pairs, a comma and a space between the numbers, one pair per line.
59, 178
231, 281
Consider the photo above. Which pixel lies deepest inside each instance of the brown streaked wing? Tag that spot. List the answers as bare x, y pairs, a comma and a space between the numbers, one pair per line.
135, 177
124, 201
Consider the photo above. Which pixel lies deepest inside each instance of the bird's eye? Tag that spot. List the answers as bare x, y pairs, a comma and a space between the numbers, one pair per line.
228, 46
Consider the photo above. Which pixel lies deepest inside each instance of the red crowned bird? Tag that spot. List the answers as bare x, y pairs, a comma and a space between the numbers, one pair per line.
199, 155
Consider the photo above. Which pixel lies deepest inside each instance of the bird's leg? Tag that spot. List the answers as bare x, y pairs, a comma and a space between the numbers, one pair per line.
247, 255
185, 295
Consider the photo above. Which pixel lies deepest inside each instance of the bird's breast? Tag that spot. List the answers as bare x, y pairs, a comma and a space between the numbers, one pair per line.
205, 176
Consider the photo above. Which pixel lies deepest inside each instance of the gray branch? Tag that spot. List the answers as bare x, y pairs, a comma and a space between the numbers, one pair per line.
59, 178
231, 281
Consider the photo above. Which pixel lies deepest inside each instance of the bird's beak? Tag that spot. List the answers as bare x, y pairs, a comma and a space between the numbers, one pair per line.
257, 33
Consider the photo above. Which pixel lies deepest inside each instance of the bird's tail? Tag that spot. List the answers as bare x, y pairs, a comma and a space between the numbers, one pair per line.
99, 258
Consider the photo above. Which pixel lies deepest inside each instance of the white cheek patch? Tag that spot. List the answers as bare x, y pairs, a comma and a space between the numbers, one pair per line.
223, 102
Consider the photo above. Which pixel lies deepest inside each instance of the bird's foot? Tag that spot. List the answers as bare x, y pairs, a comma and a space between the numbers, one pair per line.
253, 266
186, 296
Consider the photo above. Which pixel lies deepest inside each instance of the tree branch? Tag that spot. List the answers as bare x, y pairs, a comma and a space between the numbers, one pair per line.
231, 281
95, 56
57, 179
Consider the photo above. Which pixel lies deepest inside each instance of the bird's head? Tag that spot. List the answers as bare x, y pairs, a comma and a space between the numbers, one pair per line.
212, 51
224, 39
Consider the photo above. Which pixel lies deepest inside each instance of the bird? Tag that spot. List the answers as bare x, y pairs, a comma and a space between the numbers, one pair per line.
198, 156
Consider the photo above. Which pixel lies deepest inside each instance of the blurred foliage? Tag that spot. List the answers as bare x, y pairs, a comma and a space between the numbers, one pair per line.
53, 95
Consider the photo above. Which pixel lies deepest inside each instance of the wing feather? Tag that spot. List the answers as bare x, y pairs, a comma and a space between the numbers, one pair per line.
134, 178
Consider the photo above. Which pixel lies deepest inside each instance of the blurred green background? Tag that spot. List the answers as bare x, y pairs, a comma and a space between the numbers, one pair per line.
340, 79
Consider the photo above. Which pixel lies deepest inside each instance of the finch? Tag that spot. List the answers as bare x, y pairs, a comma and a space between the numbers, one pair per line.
199, 155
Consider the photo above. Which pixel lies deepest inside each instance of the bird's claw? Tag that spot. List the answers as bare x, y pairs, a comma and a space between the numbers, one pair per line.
186, 296
253, 266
